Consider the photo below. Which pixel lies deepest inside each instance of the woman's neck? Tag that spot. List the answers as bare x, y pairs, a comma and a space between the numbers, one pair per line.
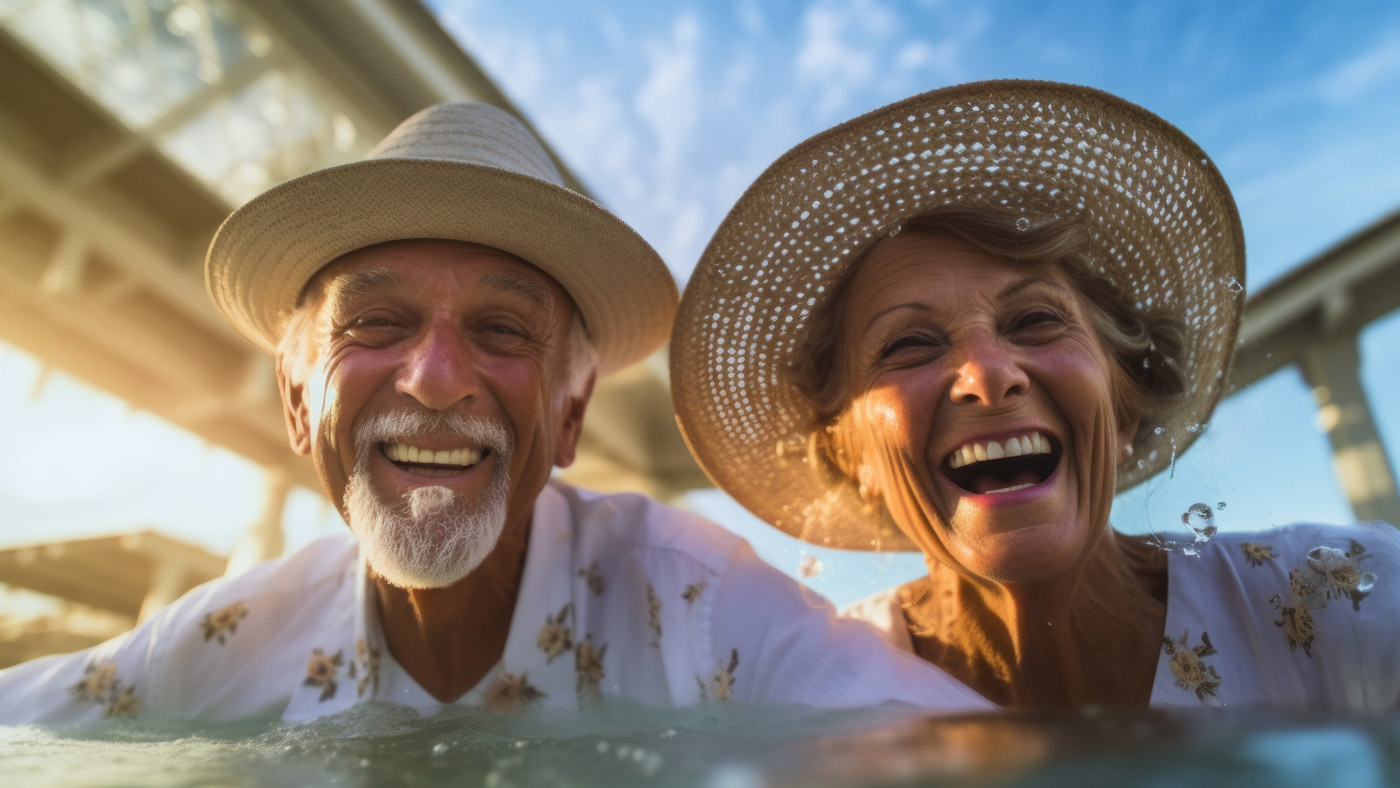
1090, 637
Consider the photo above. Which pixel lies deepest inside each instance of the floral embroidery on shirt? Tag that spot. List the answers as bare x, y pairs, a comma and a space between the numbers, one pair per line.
588, 661
556, 637
223, 622
654, 615
510, 692
367, 660
1337, 575
1296, 622
1326, 574
1256, 554
98, 682
322, 670
1189, 667
721, 684
123, 703
99, 685
593, 577
692, 592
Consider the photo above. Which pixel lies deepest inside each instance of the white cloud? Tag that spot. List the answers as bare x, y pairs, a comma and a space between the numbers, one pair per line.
516, 62
1355, 77
667, 101
751, 18
829, 58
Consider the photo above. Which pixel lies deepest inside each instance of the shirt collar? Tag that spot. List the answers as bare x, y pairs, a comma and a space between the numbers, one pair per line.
537, 666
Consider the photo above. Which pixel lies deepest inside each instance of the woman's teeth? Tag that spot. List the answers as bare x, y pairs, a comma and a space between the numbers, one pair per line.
1012, 488
402, 452
1030, 443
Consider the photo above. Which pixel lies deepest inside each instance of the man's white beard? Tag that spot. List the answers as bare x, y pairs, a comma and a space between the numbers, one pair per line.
431, 537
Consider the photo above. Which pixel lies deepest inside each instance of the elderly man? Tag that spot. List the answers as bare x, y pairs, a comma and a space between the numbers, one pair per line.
438, 313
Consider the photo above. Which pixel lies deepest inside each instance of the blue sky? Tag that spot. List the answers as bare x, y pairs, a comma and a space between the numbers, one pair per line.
667, 111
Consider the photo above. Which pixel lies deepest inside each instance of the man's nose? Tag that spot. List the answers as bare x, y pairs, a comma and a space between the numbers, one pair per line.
988, 372
441, 368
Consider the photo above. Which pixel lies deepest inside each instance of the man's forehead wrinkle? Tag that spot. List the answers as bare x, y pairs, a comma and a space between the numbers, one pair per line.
533, 291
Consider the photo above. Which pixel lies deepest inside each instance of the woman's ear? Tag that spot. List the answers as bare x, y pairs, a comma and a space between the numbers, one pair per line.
1127, 431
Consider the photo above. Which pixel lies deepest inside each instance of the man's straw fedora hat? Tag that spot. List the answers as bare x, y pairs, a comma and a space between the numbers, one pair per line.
459, 171
1161, 220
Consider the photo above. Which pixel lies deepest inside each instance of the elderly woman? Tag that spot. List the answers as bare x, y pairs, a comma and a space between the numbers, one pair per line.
959, 324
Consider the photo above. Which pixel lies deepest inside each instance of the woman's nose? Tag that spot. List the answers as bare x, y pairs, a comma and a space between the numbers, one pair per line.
988, 373
441, 368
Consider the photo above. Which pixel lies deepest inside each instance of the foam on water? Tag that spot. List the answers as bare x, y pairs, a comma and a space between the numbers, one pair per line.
620, 744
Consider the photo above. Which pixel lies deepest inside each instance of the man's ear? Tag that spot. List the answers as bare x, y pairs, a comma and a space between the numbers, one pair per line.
294, 409
566, 448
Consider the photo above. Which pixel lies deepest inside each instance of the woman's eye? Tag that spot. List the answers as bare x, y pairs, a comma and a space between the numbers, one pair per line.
1037, 318
907, 343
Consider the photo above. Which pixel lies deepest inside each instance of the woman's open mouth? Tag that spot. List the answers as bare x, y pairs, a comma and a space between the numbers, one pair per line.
427, 462
993, 467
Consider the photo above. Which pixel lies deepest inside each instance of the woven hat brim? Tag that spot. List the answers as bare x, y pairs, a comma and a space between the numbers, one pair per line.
1158, 212
267, 250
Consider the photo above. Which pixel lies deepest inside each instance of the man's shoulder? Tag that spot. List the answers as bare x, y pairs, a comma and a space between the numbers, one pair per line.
322, 566
610, 523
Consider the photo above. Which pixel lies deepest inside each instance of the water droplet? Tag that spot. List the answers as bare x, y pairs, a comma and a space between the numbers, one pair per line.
1196, 529
1235, 286
1366, 583
1193, 428
1158, 431
809, 566
1220, 505
439, 749
1201, 520
1022, 223
602, 748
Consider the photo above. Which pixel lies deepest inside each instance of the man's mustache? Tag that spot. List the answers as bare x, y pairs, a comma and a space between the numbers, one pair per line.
405, 423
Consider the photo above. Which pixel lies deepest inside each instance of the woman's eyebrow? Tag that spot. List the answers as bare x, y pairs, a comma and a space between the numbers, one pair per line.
912, 305
1016, 287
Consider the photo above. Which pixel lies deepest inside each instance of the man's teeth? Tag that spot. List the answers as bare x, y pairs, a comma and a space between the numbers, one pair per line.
1030, 443
402, 452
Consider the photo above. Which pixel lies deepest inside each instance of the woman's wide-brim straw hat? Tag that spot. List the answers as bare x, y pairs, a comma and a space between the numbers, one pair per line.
460, 171
1162, 223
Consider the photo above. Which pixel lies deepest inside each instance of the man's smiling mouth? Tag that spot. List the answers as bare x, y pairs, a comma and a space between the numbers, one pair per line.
992, 467
428, 462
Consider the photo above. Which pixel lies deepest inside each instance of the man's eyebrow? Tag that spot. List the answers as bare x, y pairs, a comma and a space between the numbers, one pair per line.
344, 289
534, 292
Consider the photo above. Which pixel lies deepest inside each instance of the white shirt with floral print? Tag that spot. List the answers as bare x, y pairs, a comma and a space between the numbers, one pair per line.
1299, 616
621, 596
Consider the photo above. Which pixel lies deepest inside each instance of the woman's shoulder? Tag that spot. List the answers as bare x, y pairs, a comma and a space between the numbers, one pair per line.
884, 610
1286, 544
1301, 614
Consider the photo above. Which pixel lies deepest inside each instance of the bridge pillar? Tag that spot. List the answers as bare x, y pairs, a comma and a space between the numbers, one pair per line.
1332, 367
